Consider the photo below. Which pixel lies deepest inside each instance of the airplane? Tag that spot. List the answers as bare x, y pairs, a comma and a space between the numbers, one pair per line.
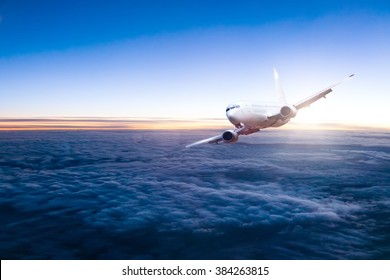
250, 117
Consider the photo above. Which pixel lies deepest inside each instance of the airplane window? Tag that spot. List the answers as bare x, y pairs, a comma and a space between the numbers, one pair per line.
234, 106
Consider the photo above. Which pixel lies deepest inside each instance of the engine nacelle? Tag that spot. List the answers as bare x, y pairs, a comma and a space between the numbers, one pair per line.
229, 136
288, 112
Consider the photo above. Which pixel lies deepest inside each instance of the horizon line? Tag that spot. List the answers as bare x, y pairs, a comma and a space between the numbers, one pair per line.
154, 123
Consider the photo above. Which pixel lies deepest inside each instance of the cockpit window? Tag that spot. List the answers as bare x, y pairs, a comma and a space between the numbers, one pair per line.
232, 107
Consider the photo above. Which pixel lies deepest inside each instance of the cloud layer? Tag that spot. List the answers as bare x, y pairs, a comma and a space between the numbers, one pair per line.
141, 195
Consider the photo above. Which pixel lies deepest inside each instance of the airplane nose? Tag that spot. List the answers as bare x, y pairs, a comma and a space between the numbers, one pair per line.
232, 116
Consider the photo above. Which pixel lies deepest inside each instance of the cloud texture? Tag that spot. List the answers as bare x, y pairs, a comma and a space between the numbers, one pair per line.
141, 195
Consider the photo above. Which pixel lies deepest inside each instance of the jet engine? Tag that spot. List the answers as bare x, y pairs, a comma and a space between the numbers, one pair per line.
288, 112
229, 136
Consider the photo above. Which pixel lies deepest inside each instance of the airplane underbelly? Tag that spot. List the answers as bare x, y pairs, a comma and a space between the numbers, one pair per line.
254, 120
280, 122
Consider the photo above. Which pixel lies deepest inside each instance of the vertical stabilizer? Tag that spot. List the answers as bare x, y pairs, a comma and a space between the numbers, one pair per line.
279, 89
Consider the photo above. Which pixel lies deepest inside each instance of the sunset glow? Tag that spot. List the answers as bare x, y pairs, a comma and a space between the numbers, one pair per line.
108, 124
161, 124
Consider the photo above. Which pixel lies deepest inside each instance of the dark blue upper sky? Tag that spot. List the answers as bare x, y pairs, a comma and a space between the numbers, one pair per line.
42, 25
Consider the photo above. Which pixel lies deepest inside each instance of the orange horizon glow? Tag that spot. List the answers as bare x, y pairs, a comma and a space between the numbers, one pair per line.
32, 124
108, 124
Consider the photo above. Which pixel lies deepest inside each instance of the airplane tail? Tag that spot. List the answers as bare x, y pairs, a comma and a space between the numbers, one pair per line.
279, 89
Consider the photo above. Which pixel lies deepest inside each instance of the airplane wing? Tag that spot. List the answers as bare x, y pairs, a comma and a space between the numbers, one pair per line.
210, 140
219, 138
306, 102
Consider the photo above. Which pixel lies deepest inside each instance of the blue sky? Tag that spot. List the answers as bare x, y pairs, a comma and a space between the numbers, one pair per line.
189, 59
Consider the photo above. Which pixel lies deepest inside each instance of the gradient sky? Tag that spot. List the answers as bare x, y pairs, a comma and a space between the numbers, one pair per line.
190, 59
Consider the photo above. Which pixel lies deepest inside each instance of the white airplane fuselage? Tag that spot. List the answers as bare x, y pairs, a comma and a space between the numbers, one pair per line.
254, 115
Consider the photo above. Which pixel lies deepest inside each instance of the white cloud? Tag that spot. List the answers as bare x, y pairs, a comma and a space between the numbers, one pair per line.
102, 188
